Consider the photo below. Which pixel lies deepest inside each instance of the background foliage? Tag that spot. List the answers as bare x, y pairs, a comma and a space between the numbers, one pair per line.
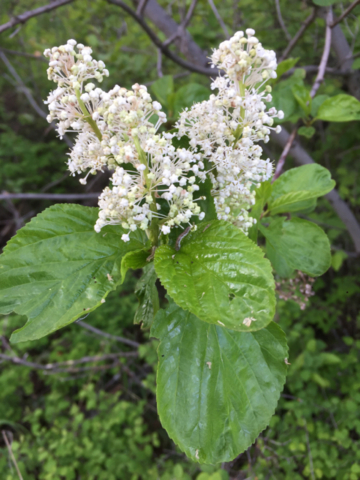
102, 424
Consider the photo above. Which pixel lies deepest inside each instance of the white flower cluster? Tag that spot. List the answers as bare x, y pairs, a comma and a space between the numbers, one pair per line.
227, 127
152, 180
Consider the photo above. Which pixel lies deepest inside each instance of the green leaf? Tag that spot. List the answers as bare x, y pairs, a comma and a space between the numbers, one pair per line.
303, 98
279, 263
221, 276
303, 244
57, 268
297, 185
340, 108
307, 132
162, 88
189, 94
134, 260
148, 297
286, 65
316, 102
216, 389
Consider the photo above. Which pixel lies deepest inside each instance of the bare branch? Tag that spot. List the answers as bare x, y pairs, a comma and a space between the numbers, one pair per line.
156, 40
299, 34
57, 367
11, 454
48, 196
159, 63
95, 330
318, 80
315, 69
281, 20
345, 13
23, 54
285, 152
325, 56
141, 7
219, 19
24, 89
24, 17
181, 29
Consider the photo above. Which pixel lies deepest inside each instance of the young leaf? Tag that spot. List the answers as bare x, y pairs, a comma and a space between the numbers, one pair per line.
263, 192
221, 276
303, 244
340, 108
286, 65
216, 389
57, 268
279, 263
292, 191
307, 132
148, 297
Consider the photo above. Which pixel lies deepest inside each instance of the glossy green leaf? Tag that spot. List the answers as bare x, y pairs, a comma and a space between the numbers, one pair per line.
316, 103
189, 94
340, 108
57, 268
297, 185
134, 260
221, 276
148, 297
216, 389
303, 244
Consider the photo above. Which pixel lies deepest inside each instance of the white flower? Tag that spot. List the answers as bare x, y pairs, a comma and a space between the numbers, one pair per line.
165, 229
125, 237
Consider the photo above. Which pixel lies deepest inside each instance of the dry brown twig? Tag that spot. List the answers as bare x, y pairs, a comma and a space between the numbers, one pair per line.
299, 34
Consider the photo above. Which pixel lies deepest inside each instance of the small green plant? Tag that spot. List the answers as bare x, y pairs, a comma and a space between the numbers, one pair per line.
186, 205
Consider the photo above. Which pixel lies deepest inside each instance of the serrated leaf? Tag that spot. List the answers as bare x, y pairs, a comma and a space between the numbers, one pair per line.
57, 268
216, 388
303, 244
340, 108
148, 297
297, 186
221, 276
134, 260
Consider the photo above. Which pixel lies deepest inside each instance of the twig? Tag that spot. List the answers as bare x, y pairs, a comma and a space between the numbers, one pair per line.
183, 25
26, 91
48, 196
325, 56
318, 80
23, 54
156, 40
11, 454
284, 154
281, 20
219, 19
141, 7
24, 17
345, 13
315, 68
299, 34
159, 64
107, 335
